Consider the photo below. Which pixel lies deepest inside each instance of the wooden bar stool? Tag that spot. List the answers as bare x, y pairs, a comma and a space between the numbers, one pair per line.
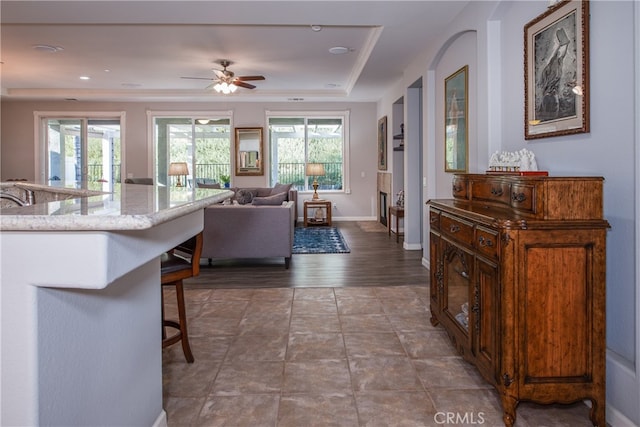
180, 263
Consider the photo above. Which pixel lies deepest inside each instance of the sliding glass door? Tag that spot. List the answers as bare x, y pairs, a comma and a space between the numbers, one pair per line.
82, 150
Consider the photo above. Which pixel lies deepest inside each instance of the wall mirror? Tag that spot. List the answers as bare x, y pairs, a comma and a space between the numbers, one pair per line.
249, 160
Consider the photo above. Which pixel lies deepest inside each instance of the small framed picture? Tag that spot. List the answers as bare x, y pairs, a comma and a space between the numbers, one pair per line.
382, 143
556, 71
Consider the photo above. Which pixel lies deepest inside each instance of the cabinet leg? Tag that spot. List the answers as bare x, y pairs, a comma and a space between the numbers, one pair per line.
509, 410
597, 413
434, 321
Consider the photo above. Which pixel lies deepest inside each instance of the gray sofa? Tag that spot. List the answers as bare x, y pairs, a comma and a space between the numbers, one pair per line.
248, 231
292, 193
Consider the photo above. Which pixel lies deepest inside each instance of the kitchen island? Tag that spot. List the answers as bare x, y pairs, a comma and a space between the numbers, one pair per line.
80, 302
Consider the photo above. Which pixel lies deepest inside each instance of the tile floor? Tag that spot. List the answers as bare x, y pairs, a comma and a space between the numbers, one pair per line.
361, 356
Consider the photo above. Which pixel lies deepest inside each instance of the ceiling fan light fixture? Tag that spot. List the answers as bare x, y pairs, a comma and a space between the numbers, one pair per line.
225, 88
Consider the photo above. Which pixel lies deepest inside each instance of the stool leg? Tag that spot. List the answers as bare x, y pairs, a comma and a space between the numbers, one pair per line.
182, 317
164, 333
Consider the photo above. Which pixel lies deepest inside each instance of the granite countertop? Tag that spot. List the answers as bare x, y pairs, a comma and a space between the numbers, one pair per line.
103, 208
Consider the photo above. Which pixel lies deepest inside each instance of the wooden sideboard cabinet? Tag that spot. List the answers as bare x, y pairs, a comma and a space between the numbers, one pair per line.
518, 282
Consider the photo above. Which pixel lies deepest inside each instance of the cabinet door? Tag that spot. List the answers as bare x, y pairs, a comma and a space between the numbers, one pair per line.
486, 318
457, 272
561, 313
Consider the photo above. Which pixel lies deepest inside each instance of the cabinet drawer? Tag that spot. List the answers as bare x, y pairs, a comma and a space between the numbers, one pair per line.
434, 219
487, 242
459, 188
491, 191
523, 197
457, 228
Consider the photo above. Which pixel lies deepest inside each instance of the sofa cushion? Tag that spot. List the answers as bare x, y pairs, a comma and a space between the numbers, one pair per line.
244, 196
276, 199
280, 188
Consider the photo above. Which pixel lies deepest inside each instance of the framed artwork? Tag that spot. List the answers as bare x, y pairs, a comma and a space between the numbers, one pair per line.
556, 71
382, 143
455, 121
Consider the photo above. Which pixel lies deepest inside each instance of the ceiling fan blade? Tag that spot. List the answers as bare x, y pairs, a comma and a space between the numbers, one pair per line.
246, 78
243, 84
219, 74
198, 78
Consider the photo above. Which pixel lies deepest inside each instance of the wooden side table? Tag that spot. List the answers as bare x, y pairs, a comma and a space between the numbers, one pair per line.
398, 212
315, 218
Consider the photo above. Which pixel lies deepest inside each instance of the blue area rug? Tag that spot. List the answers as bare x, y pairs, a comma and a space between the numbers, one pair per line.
319, 240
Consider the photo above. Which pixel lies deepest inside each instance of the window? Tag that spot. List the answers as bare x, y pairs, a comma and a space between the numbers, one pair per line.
296, 139
203, 141
77, 149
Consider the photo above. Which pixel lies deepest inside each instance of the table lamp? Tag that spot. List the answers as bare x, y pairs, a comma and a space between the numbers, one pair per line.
315, 170
178, 169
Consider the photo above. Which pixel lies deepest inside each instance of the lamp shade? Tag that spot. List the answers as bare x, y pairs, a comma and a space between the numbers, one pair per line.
178, 168
315, 169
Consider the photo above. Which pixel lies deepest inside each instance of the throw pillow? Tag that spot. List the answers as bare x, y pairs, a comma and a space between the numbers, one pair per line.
244, 196
281, 188
276, 199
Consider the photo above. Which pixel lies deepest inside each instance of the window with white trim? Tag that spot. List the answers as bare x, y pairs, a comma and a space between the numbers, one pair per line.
302, 138
201, 140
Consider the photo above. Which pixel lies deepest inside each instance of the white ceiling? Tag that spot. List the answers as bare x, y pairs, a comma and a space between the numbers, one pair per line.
139, 50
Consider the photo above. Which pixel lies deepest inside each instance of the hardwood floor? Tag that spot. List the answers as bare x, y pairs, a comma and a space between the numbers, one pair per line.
375, 260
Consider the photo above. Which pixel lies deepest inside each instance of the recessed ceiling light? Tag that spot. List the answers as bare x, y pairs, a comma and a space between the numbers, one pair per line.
47, 48
85, 78
316, 28
339, 50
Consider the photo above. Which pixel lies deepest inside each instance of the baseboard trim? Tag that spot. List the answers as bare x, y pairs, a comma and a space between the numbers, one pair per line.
161, 421
412, 246
617, 418
623, 392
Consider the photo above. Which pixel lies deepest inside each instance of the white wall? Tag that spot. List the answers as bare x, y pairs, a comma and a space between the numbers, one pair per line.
17, 148
489, 37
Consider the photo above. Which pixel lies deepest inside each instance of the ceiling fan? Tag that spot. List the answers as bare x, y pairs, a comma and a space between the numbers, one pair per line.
226, 81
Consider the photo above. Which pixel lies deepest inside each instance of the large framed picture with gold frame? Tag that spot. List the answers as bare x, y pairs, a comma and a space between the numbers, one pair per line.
456, 121
556, 71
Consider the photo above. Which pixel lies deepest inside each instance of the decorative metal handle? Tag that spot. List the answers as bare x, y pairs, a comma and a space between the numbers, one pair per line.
507, 380
457, 188
454, 228
433, 218
496, 191
485, 242
518, 197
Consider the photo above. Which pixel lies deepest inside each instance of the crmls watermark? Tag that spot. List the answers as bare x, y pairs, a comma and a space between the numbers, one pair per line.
459, 418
